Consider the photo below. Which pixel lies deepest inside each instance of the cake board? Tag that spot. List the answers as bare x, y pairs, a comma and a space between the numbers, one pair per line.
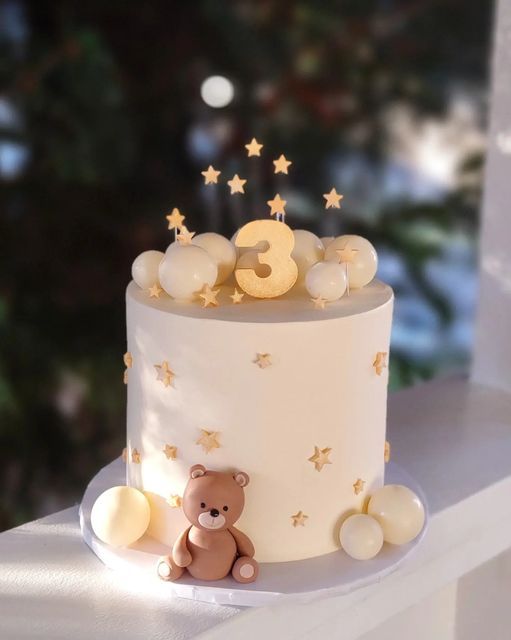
299, 581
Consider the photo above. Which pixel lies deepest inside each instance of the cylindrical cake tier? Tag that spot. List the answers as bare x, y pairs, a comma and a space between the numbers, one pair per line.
293, 395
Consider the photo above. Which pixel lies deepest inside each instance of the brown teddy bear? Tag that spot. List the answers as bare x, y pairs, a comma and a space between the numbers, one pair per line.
211, 547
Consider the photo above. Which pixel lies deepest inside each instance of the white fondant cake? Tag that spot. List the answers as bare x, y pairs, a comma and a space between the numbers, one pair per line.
275, 383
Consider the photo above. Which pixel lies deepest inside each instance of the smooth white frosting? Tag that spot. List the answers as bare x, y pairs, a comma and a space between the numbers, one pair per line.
321, 390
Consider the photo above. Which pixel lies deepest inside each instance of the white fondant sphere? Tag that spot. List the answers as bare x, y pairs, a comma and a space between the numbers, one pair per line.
144, 269
399, 511
120, 516
185, 270
363, 268
326, 240
326, 279
361, 536
221, 250
308, 250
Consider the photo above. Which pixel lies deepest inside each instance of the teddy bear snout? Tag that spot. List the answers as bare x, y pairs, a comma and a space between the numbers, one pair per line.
215, 513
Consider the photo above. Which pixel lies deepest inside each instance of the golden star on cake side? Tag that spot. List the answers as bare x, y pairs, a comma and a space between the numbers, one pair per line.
175, 219
299, 519
237, 296
124, 454
164, 373
210, 175
135, 456
387, 450
125, 376
319, 302
209, 295
263, 360
320, 457
175, 501
128, 359
170, 452
236, 184
333, 199
281, 164
209, 440
184, 237
358, 486
380, 362
347, 255
277, 205
253, 148
155, 291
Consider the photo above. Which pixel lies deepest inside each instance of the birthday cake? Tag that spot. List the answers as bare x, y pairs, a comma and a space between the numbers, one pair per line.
256, 372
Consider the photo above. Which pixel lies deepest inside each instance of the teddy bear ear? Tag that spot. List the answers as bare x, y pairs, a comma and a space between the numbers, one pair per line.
241, 478
197, 471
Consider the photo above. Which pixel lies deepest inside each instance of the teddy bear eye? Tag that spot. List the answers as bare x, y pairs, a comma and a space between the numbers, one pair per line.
202, 505
226, 508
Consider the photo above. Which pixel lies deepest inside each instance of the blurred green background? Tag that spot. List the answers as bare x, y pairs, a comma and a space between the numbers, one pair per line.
103, 129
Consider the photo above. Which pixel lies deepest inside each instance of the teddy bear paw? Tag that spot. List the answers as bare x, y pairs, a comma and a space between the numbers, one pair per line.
245, 570
168, 570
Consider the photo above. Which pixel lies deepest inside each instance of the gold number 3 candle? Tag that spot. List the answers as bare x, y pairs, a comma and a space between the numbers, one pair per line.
277, 256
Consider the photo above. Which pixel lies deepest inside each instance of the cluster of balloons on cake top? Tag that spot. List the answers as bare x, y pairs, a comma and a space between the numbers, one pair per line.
211, 259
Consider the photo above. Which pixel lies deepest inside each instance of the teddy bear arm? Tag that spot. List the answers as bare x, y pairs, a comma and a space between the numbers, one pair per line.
243, 543
180, 553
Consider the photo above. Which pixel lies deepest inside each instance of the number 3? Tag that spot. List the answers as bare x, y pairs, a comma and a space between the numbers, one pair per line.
284, 271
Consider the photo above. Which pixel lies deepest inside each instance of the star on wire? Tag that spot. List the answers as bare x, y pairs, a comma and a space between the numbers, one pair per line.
175, 219
184, 236
236, 184
253, 148
209, 295
281, 164
175, 501
210, 175
164, 373
320, 457
333, 199
277, 205
347, 255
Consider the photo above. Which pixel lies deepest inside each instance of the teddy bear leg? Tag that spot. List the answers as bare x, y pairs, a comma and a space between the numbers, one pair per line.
168, 570
245, 570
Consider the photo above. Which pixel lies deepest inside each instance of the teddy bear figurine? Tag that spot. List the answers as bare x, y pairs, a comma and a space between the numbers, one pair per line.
211, 547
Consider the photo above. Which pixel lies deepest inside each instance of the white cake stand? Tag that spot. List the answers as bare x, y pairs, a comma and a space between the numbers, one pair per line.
300, 581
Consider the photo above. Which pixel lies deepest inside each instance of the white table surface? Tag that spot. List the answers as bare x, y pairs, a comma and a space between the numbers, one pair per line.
455, 438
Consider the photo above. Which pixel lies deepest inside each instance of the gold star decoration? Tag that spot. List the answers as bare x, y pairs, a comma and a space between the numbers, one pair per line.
237, 296
347, 255
209, 440
210, 175
184, 236
319, 302
281, 164
135, 456
208, 296
175, 501
170, 452
165, 373
175, 219
320, 457
358, 486
155, 291
299, 519
253, 148
386, 455
263, 360
125, 376
124, 454
236, 184
128, 359
333, 199
277, 205
380, 362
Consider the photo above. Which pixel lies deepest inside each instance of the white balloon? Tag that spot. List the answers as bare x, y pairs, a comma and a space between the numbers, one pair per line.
185, 270
221, 250
326, 240
399, 511
144, 269
363, 268
326, 279
308, 250
120, 516
361, 536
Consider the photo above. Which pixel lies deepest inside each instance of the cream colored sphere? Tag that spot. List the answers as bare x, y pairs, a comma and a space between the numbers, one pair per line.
120, 516
144, 269
326, 279
221, 250
361, 536
185, 270
308, 250
399, 511
365, 264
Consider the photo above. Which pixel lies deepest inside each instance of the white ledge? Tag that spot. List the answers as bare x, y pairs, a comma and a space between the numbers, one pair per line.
452, 436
